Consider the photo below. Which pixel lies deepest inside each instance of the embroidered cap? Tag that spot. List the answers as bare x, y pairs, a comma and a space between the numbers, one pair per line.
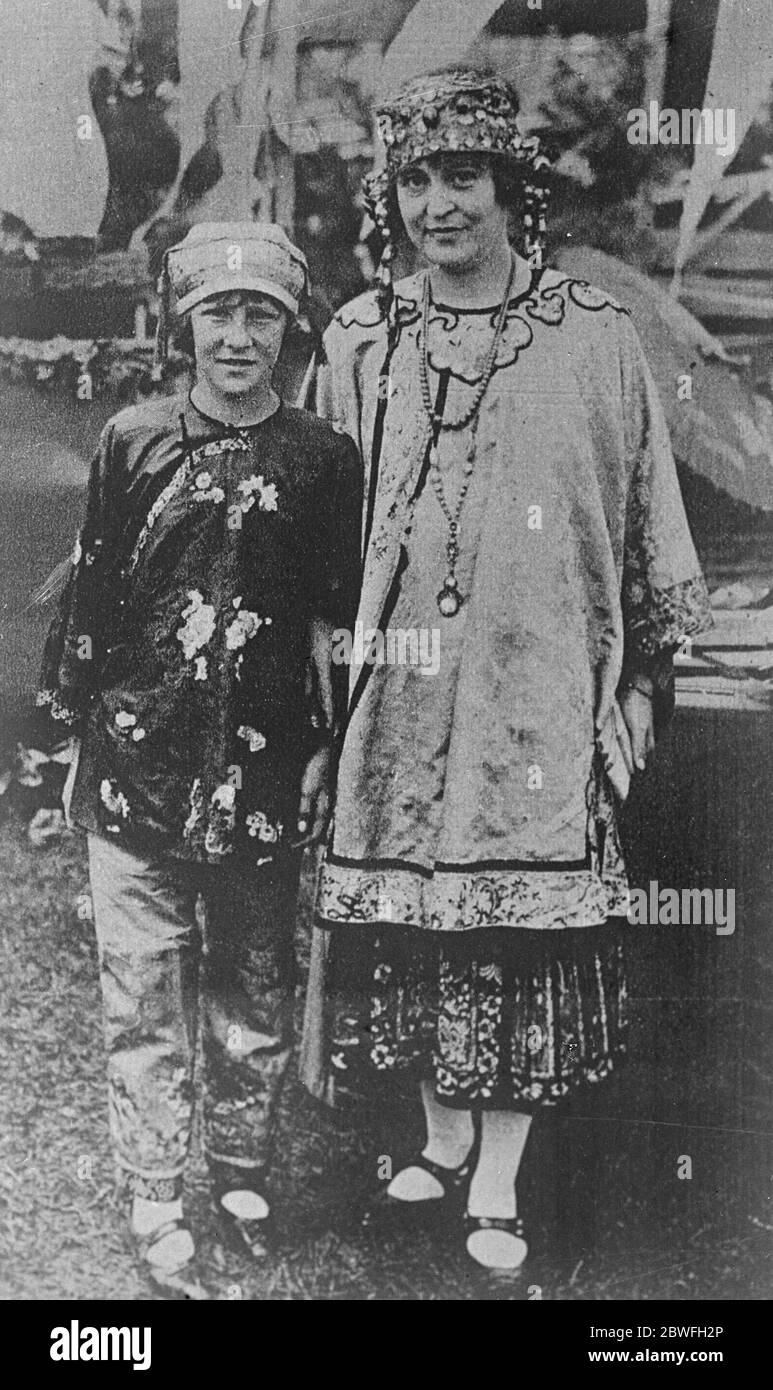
216, 257
460, 109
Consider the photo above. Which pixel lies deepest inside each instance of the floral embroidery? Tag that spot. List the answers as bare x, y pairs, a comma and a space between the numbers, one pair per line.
555, 1026
152, 1189
224, 797
196, 803
114, 799
222, 820
58, 710
256, 740
204, 489
655, 615
216, 494
660, 618
199, 624
267, 498
458, 902
138, 734
124, 720
200, 671
258, 824
243, 627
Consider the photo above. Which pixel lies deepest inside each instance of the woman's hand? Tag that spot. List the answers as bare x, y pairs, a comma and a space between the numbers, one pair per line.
639, 719
316, 799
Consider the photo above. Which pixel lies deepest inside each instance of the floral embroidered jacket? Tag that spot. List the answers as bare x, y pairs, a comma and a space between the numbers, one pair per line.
475, 795
180, 651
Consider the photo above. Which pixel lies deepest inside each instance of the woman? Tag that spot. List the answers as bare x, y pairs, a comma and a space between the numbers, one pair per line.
523, 504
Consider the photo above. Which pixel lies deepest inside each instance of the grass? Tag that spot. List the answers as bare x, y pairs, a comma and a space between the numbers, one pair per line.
610, 1218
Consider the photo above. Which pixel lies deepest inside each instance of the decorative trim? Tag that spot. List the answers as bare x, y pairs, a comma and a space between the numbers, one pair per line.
475, 866
175, 485
166, 1188
246, 1164
538, 303
668, 616
58, 710
452, 900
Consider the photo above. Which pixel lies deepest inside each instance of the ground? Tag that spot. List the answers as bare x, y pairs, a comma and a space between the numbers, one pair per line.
609, 1217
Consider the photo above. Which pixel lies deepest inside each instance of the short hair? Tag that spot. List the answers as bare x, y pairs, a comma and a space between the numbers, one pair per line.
182, 334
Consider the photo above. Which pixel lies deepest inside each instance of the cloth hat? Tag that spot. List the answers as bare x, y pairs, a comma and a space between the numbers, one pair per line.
216, 257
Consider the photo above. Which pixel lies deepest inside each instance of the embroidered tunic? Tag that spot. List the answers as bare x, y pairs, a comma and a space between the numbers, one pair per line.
180, 651
475, 796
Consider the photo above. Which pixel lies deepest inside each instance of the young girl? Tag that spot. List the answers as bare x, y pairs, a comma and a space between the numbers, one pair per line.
219, 543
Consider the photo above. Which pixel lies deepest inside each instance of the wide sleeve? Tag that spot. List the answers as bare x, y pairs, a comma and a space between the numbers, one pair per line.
664, 596
75, 645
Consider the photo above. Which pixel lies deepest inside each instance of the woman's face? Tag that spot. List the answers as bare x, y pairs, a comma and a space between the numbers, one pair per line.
449, 208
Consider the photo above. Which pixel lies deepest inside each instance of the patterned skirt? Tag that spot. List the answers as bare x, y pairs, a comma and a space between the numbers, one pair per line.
499, 1019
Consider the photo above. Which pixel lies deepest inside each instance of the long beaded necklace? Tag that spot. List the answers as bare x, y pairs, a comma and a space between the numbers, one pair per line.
449, 600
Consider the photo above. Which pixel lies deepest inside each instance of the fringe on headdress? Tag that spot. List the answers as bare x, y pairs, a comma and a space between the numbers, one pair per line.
161, 347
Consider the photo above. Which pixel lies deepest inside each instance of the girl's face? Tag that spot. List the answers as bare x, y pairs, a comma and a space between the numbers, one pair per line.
449, 208
237, 338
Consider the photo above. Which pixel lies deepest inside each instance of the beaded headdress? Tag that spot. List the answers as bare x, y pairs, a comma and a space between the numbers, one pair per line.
216, 257
458, 110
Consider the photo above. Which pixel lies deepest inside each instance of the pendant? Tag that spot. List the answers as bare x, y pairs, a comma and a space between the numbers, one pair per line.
448, 600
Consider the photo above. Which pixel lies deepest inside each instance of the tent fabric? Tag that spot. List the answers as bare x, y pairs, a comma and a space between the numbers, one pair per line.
379, 20
54, 180
209, 58
739, 78
453, 24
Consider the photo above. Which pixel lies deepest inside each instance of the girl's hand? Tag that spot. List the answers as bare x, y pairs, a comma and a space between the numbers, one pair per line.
640, 722
316, 799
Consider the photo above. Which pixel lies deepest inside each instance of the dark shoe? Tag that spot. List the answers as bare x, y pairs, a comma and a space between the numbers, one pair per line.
387, 1212
251, 1236
511, 1225
180, 1282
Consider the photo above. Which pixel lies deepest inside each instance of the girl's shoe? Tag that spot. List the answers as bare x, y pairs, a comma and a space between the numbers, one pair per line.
387, 1212
511, 1226
179, 1281
251, 1236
